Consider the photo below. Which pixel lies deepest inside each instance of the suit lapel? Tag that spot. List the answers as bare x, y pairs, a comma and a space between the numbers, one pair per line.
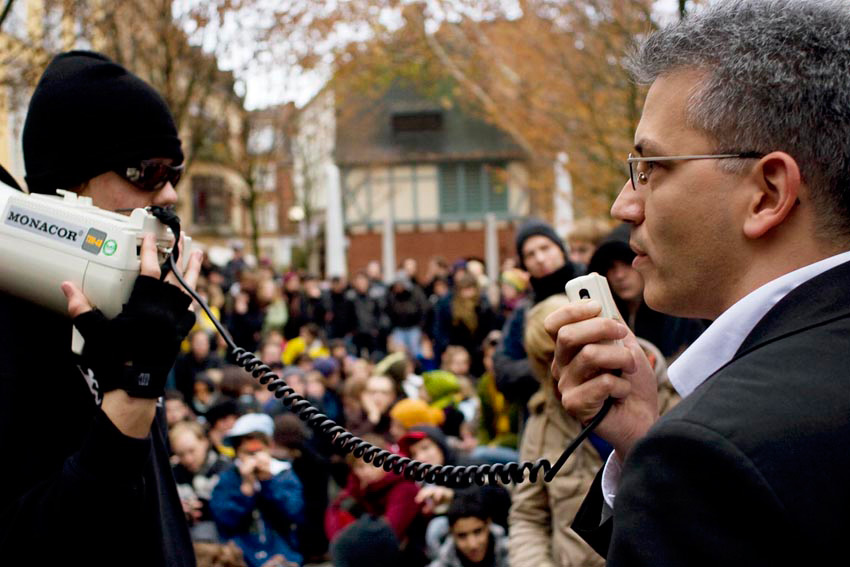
822, 299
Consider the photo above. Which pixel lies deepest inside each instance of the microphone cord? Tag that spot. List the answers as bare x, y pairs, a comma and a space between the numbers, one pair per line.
346, 442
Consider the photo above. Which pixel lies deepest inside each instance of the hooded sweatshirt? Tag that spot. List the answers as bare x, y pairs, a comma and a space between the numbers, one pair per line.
102, 497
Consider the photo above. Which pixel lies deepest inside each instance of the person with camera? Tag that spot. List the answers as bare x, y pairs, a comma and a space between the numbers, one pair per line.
259, 500
738, 198
89, 471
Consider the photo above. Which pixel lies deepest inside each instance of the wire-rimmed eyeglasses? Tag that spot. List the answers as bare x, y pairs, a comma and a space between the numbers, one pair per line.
644, 164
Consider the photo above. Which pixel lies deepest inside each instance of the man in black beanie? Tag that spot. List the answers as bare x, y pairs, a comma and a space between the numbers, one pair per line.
543, 255
89, 116
87, 465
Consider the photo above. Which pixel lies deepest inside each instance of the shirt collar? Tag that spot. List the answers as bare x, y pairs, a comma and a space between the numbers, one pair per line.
719, 343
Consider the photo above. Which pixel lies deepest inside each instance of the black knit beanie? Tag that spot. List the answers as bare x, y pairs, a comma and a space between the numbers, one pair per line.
536, 227
89, 115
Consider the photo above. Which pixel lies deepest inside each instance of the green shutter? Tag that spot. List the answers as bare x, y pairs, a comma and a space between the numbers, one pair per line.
470, 189
449, 190
476, 188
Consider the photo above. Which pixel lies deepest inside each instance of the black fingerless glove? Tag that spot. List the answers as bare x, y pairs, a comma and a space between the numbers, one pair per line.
136, 350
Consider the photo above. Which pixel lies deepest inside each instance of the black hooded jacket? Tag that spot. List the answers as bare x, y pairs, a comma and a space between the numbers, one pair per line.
71, 479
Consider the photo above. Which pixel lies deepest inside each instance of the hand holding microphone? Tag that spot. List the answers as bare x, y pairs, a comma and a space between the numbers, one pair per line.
597, 357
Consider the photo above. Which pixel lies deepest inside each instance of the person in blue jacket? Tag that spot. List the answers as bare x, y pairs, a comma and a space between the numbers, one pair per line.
259, 503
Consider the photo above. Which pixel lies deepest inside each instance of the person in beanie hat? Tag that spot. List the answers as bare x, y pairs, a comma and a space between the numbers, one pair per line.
101, 486
543, 255
513, 285
89, 116
530, 229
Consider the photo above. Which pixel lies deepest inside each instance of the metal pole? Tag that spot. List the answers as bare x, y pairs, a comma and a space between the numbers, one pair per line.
388, 248
335, 264
564, 215
491, 247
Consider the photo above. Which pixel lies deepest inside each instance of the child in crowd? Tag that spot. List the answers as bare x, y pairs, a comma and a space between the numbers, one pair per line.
429, 445
373, 491
196, 472
271, 351
473, 540
257, 502
176, 408
586, 235
442, 390
513, 285
400, 366
376, 399
205, 395
220, 419
456, 360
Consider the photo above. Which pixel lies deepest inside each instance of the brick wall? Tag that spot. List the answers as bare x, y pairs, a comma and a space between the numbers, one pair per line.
423, 245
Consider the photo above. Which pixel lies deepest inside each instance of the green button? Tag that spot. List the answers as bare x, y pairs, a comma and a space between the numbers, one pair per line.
109, 247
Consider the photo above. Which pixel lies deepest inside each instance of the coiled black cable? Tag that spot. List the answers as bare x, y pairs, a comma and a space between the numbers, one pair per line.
346, 442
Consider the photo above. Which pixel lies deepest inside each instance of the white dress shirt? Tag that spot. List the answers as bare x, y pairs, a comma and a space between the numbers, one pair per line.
718, 344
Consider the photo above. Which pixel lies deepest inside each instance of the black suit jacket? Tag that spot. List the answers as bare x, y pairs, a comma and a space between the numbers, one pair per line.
753, 468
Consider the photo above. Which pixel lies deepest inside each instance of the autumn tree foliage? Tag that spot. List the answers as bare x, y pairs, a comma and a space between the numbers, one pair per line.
548, 72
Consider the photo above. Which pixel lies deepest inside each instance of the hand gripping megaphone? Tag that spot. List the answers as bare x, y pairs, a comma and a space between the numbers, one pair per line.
48, 239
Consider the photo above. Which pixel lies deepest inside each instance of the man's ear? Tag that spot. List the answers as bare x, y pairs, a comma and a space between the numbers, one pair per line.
776, 185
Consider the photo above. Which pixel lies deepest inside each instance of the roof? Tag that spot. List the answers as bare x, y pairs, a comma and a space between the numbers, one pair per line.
365, 133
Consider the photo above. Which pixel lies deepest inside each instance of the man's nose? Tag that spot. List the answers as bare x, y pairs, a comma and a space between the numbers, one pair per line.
628, 206
166, 196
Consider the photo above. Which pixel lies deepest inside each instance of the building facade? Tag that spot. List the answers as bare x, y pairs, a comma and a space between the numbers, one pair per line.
429, 171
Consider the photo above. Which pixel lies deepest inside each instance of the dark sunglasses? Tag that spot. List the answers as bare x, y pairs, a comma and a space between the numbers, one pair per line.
152, 175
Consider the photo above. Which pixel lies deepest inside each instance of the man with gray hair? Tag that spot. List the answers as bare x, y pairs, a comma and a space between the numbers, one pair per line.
739, 198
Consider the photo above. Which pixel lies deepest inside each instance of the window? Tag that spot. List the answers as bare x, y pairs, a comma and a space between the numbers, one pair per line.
210, 201
417, 122
268, 218
471, 189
